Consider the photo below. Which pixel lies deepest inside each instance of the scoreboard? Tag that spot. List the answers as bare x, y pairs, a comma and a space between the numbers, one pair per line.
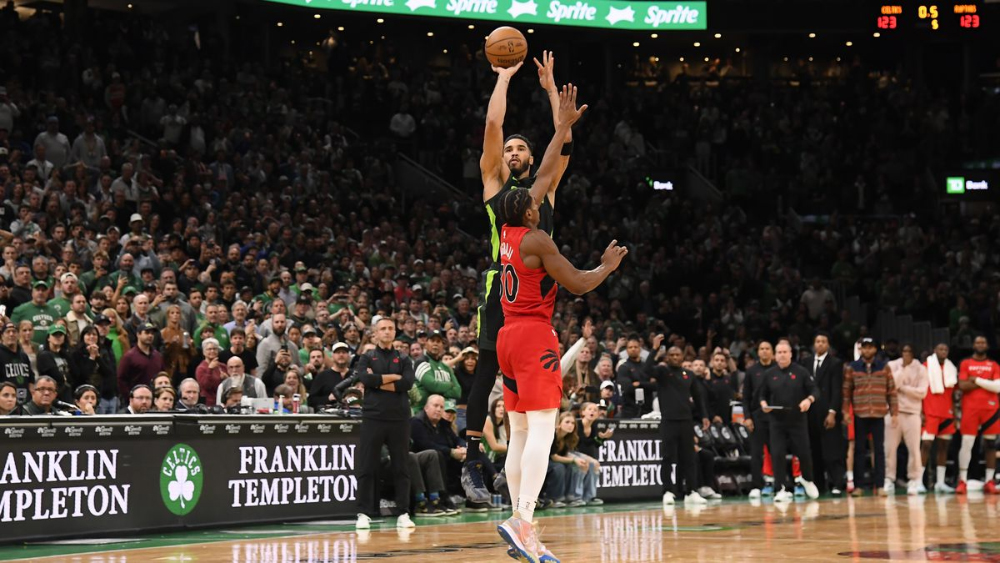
952, 17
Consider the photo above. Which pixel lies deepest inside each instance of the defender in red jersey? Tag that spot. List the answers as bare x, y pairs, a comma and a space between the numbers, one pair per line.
527, 349
979, 380
939, 413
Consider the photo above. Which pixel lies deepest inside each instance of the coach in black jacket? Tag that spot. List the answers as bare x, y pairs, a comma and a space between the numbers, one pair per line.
678, 391
790, 388
826, 432
385, 416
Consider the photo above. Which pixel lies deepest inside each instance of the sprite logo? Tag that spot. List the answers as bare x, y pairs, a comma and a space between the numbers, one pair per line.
181, 479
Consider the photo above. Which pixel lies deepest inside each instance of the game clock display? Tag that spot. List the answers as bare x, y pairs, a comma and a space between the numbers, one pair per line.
935, 17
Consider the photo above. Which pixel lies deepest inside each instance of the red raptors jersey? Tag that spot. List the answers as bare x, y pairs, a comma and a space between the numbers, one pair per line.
525, 293
979, 398
941, 406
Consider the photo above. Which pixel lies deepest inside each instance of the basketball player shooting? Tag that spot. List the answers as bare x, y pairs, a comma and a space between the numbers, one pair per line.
527, 347
505, 165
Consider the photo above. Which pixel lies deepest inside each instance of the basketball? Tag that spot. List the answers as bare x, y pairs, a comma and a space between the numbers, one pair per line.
506, 47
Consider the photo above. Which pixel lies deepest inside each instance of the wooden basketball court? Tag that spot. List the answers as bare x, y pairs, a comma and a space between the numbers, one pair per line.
898, 528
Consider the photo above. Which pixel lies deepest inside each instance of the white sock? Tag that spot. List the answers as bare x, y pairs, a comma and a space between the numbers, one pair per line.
535, 459
965, 457
989, 474
850, 475
526, 508
940, 474
515, 451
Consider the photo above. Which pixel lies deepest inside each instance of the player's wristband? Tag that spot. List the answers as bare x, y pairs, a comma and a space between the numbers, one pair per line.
567, 149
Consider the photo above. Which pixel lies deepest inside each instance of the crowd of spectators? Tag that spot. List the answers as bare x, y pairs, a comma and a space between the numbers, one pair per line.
179, 230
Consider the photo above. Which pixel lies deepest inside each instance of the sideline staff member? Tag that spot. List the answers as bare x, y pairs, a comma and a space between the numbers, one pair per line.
786, 396
385, 416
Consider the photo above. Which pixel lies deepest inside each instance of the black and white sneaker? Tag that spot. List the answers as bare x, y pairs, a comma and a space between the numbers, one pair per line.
472, 482
473, 506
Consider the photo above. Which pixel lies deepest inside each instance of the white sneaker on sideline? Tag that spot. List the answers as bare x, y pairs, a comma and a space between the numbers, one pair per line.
812, 491
694, 498
363, 523
754, 494
913, 488
404, 521
889, 487
944, 488
709, 493
668, 498
783, 496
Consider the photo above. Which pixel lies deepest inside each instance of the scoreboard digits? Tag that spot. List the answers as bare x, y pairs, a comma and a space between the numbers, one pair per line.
954, 16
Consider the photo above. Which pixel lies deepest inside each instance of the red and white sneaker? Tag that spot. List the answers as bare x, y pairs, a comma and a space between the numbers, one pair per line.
962, 488
520, 535
991, 488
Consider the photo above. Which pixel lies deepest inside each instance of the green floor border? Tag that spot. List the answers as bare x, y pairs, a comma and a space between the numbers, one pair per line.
38, 549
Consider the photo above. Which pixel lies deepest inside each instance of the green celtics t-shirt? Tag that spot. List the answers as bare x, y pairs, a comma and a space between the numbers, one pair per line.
41, 317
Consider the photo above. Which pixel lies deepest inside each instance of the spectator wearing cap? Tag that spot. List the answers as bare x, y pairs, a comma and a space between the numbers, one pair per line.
311, 341
321, 392
92, 364
142, 362
69, 286
301, 310
272, 293
77, 318
870, 390
433, 376
53, 361
57, 147
37, 311
15, 365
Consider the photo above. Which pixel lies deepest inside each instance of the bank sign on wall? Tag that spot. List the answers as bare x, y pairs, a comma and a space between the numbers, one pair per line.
75, 477
608, 14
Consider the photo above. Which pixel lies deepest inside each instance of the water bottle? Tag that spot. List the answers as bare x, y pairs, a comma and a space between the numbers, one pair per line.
738, 414
296, 399
279, 402
640, 396
187, 340
497, 500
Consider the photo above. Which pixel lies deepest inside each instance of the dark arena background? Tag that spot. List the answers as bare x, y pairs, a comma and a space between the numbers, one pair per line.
246, 256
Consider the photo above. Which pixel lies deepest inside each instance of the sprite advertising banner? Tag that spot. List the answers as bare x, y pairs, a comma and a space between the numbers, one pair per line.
64, 477
607, 14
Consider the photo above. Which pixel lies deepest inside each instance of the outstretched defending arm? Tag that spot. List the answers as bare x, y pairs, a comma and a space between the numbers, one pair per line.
551, 167
491, 165
546, 77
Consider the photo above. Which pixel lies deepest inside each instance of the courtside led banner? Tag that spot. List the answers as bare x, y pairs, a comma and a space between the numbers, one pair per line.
608, 14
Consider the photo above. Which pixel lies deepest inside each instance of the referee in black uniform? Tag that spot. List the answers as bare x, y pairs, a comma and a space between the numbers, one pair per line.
787, 393
755, 419
385, 419
678, 392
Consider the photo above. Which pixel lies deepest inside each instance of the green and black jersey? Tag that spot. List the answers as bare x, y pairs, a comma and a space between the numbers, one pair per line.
490, 314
